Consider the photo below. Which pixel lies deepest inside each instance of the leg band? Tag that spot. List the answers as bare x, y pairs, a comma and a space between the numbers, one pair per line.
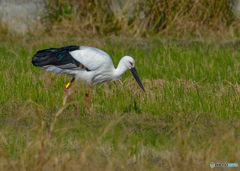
87, 93
68, 85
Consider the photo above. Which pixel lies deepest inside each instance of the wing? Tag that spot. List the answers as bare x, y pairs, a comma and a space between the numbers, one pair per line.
92, 58
58, 57
72, 57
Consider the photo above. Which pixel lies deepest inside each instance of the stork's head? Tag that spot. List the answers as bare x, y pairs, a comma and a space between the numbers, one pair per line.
130, 64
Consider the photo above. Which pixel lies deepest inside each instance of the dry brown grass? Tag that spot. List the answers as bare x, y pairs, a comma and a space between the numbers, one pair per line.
184, 18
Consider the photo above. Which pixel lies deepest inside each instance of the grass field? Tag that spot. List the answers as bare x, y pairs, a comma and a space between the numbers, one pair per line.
188, 117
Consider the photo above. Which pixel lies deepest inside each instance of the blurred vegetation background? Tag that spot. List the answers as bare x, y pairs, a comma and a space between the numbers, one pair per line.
178, 18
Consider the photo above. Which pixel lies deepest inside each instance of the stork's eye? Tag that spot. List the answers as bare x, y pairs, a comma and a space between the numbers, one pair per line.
131, 63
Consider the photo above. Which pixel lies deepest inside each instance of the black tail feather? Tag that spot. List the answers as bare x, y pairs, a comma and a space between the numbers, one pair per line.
44, 57
54, 56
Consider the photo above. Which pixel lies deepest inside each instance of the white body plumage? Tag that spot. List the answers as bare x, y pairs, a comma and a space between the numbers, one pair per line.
97, 61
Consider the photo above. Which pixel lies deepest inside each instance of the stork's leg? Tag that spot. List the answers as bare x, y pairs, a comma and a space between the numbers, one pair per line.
66, 91
87, 97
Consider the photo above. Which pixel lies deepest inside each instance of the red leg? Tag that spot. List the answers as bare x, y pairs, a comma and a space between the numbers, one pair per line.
87, 97
70, 98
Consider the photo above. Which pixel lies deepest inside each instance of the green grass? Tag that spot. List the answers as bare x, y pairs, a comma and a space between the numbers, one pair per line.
188, 117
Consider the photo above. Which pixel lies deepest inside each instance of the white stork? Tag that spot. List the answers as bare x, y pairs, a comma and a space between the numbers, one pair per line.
84, 63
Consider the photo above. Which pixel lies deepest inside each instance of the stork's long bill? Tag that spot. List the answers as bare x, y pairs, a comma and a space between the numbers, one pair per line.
135, 74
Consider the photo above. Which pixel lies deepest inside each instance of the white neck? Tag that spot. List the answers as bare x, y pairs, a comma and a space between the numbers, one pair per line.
119, 71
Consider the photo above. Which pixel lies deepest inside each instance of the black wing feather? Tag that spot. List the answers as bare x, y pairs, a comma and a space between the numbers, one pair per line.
57, 57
